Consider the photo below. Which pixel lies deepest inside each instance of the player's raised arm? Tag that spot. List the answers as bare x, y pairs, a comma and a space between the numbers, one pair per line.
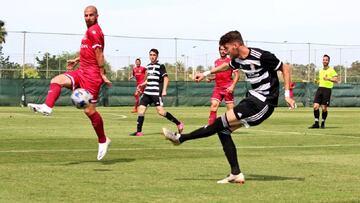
285, 69
201, 76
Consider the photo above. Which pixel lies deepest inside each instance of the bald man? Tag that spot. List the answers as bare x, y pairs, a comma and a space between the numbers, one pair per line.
90, 75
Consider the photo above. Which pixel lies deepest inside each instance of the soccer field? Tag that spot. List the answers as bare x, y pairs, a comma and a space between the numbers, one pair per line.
53, 159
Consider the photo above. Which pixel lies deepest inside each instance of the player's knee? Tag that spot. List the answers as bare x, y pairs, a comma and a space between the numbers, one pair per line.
89, 111
214, 107
161, 112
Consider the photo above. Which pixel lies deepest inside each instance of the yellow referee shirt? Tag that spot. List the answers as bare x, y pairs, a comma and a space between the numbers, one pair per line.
330, 73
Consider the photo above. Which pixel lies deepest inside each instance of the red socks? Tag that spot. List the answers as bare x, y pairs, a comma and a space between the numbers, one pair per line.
212, 117
53, 94
98, 125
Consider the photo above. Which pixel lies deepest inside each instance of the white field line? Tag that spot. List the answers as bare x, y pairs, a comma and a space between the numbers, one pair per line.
177, 148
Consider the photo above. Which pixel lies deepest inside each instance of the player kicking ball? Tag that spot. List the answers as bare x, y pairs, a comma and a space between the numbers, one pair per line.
260, 68
90, 76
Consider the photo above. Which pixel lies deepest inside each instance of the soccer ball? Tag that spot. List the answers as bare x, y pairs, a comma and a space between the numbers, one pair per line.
81, 98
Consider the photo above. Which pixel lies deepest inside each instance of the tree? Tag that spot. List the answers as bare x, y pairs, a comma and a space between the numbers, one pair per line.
30, 71
51, 65
3, 32
8, 69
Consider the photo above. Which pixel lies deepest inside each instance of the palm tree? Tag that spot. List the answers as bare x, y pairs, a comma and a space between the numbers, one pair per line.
3, 32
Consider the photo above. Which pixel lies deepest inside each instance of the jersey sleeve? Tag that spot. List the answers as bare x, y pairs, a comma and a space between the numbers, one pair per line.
234, 65
95, 38
269, 61
163, 72
333, 73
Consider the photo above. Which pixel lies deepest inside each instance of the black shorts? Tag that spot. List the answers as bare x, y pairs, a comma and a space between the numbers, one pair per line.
146, 100
323, 96
251, 111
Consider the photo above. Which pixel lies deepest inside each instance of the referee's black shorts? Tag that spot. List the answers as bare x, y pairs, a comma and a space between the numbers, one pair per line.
146, 100
323, 96
251, 111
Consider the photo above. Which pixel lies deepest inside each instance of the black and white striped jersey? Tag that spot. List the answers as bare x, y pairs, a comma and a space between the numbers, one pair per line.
155, 78
260, 68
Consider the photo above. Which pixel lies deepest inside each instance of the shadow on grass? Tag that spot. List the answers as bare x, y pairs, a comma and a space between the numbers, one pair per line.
254, 177
104, 162
251, 177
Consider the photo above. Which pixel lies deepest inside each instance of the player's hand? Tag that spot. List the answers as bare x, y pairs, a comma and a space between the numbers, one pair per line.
290, 102
208, 80
199, 77
106, 81
71, 64
230, 89
164, 93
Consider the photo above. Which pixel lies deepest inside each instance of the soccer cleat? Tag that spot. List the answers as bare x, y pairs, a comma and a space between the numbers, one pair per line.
103, 148
41, 108
233, 179
138, 134
172, 136
315, 125
134, 110
322, 124
180, 127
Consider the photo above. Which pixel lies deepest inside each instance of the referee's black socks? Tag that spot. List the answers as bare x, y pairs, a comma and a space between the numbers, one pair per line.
207, 130
316, 115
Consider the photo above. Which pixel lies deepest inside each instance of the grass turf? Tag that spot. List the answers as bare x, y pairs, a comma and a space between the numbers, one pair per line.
53, 159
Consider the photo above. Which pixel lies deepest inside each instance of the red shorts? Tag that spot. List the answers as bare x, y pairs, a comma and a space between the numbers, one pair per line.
220, 93
78, 80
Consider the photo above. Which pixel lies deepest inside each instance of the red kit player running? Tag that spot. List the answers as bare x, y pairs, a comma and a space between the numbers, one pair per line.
90, 75
224, 85
139, 73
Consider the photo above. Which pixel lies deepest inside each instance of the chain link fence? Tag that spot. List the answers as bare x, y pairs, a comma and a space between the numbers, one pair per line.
44, 55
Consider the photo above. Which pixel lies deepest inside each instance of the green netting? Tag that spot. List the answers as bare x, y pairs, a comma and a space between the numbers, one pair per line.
179, 93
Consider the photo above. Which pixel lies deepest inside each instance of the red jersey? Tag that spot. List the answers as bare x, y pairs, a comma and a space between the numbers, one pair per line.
224, 78
93, 38
139, 73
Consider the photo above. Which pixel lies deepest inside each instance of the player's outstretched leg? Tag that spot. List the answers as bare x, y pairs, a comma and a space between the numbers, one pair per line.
205, 131
52, 96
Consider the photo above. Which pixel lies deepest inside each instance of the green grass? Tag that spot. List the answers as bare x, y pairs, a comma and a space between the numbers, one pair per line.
53, 159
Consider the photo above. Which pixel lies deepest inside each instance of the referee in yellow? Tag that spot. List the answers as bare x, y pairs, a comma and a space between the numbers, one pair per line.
327, 78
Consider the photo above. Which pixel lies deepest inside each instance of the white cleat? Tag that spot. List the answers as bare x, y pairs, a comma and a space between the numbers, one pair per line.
172, 136
233, 179
103, 148
41, 108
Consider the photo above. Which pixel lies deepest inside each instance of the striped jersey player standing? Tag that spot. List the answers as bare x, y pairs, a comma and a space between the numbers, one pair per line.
156, 86
90, 76
260, 68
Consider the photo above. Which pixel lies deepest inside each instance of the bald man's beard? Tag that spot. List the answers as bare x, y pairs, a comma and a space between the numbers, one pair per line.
89, 23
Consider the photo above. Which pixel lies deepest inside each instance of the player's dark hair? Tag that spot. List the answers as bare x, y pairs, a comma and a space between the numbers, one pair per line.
155, 51
232, 36
138, 59
325, 55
